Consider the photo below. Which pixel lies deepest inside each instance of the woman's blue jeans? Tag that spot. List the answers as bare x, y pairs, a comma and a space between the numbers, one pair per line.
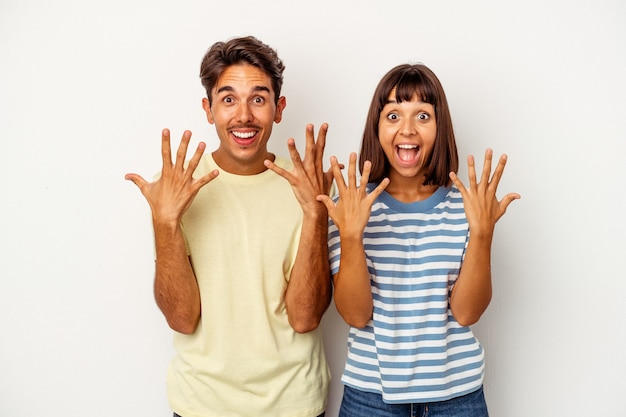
321, 415
357, 403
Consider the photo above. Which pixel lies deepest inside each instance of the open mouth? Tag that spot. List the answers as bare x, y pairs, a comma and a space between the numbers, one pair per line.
244, 137
408, 152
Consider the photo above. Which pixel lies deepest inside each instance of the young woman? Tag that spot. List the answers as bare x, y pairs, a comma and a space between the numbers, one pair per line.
410, 253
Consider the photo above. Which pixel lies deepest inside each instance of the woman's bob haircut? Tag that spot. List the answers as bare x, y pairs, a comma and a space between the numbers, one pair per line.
409, 80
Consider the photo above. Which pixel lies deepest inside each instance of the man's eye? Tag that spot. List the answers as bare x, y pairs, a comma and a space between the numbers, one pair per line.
228, 99
258, 100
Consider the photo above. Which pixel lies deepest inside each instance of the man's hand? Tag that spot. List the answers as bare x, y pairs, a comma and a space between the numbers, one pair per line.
171, 195
307, 178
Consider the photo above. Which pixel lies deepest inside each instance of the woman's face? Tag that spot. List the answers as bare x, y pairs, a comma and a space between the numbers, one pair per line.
407, 133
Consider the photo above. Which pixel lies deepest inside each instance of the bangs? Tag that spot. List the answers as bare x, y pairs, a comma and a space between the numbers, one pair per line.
413, 82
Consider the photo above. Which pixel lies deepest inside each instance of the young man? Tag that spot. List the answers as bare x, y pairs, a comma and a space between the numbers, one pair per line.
242, 271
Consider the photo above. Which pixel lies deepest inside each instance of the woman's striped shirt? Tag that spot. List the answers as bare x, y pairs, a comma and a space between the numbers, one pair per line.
413, 350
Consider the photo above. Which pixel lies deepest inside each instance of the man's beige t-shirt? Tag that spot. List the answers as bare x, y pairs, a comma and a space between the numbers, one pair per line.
244, 359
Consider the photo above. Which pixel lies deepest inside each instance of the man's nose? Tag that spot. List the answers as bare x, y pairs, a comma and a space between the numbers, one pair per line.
244, 114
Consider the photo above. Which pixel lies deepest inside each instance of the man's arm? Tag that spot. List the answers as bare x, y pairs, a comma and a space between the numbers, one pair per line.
308, 292
309, 289
175, 286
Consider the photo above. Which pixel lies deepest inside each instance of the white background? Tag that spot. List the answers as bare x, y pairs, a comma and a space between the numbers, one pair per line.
87, 86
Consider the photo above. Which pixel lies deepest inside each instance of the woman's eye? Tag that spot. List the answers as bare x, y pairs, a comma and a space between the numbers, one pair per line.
392, 116
423, 116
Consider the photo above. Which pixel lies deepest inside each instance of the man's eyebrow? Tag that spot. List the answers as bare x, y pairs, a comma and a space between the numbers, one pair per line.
254, 89
261, 88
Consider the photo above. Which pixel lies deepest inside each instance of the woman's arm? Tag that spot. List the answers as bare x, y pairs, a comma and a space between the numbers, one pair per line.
471, 293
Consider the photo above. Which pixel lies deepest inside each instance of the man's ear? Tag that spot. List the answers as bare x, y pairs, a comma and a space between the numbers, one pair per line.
280, 106
207, 109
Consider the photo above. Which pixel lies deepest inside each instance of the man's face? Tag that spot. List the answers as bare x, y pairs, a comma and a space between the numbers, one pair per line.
244, 112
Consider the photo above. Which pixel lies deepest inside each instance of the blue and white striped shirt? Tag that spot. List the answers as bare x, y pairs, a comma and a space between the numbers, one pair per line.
413, 350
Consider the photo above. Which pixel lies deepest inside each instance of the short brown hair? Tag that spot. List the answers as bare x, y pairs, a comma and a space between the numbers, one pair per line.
408, 80
247, 50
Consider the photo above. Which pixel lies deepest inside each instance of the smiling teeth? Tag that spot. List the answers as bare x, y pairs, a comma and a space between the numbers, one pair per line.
246, 135
407, 146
